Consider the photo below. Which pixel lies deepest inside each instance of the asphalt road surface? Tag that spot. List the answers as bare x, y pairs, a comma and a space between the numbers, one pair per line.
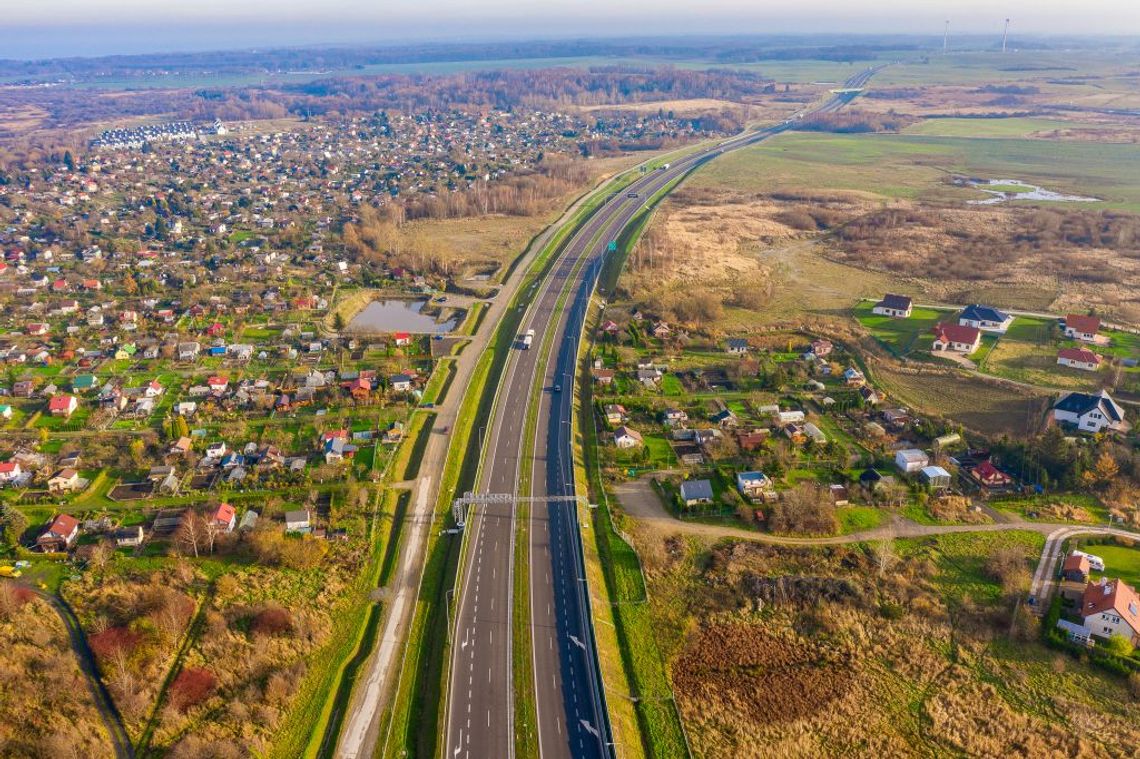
572, 719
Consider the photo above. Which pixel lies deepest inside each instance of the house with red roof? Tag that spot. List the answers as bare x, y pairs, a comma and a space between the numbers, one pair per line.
1078, 358
956, 337
224, 518
1083, 328
1111, 607
10, 471
402, 338
989, 476
63, 405
60, 534
1076, 567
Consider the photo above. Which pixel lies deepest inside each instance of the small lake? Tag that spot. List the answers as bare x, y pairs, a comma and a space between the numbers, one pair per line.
1001, 190
398, 315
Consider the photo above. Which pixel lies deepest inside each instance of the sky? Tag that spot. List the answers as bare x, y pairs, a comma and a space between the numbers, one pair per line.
54, 28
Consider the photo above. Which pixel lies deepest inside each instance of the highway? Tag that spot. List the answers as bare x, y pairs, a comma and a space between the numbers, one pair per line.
572, 719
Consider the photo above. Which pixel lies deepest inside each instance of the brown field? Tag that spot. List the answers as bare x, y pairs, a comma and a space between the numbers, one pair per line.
47, 707
912, 660
980, 404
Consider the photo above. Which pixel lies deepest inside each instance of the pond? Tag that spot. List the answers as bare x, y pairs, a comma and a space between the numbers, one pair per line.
1002, 190
396, 315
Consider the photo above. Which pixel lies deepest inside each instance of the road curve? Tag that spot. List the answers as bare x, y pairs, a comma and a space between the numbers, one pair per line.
570, 702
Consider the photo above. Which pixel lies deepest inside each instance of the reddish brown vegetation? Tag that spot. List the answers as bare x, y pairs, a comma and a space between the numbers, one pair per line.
758, 676
114, 641
272, 620
192, 686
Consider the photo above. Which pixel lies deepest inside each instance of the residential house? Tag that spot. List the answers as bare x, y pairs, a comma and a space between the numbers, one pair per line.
897, 306
754, 485
298, 521
751, 440
84, 382
400, 383
989, 476
821, 348
1112, 608
985, 318
694, 492
956, 337
737, 346
674, 416
1089, 412
1076, 568
1083, 328
60, 534
64, 481
224, 518
402, 339
181, 446
853, 377
649, 377
627, 437
10, 471
127, 537
1078, 358
189, 351
911, 460
615, 414
604, 377
63, 405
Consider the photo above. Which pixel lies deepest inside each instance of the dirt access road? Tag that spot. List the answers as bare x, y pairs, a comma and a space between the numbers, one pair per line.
640, 501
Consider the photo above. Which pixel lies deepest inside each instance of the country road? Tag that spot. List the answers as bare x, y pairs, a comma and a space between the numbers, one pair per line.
639, 500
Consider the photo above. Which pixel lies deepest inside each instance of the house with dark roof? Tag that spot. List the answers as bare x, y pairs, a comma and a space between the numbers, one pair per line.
957, 338
695, 492
1079, 327
736, 345
985, 318
1089, 412
897, 306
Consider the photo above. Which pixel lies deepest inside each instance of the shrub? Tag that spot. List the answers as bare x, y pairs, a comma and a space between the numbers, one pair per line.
192, 686
272, 620
114, 641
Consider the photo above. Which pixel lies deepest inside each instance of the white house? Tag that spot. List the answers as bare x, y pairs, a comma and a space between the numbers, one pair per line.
897, 306
1083, 328
1089, 412
754, 485
297, 521
1111, 608
1078, 358
957, 338
985, 318
911, 460
626, 437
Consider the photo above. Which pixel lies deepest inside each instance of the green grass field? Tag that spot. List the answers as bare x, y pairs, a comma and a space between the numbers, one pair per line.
901, 336
913, 166
1119, 561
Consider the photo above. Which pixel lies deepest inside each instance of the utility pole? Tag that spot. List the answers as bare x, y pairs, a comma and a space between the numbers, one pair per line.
1005, 35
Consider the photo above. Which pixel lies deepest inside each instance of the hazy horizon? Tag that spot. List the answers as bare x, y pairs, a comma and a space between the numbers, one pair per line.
33, 28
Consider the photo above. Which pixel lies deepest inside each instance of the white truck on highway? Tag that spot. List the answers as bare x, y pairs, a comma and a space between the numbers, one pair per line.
527, 339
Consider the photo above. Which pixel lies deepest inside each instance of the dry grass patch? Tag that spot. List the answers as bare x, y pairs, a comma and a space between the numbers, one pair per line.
47, 706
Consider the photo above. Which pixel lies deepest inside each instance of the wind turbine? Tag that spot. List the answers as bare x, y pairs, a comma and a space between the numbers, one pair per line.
1005, 35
